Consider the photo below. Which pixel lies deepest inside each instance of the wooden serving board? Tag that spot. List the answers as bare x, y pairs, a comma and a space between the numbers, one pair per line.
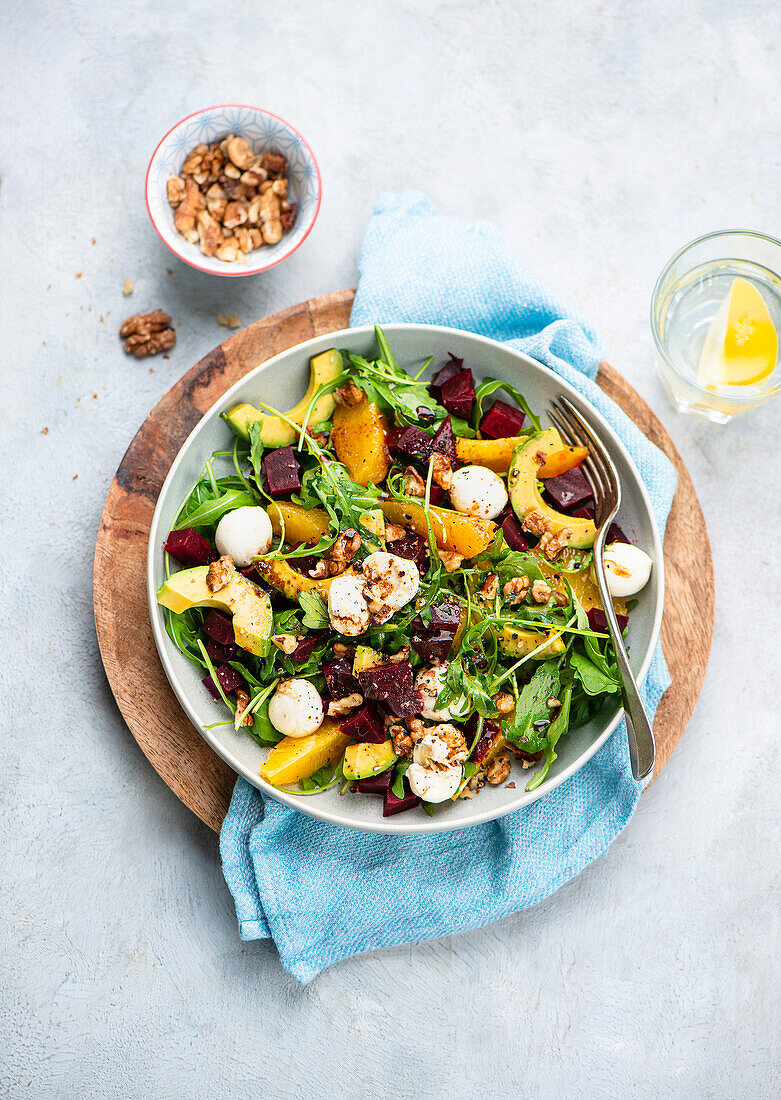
175, 749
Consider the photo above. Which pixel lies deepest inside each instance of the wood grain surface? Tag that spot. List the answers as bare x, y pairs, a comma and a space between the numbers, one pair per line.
173, 746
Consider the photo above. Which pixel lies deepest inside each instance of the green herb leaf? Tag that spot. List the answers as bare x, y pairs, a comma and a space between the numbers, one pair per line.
316, 610
212, 511
594, 680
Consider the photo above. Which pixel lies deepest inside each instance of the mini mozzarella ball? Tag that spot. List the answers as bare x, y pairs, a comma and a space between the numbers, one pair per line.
478, 491
434, 784
429, 682
244, 533
295, 708
390, 581
347, 608
627, 568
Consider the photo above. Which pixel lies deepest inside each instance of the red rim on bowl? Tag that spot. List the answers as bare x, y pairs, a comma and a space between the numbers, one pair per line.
244, 271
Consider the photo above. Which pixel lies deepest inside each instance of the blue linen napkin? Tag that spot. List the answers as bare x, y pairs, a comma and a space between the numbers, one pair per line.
325, 893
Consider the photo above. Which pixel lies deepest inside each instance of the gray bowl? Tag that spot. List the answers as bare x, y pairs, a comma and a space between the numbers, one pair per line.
280, 382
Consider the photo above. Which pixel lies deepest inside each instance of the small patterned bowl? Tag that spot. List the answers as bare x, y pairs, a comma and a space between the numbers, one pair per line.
265, 132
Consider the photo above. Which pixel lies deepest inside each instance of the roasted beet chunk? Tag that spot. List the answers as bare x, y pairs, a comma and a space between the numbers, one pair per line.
375, 784
393, 805
220, 654
412, 547
445, 616
219, 627
434, 642
488, 738
339, 678
437, 494
597, 620
304, 649
444, 442
391, 684
514, 535
453, 366
410, 444
568, 490
615, 534
365, 725
189, 548
281, 472
502, 421
230, 680
586, 512
458, 394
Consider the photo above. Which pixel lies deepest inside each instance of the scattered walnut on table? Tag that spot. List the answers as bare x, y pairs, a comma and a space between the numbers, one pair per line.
148, 333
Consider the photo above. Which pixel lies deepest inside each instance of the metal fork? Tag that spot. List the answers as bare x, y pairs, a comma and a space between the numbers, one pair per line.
603, 478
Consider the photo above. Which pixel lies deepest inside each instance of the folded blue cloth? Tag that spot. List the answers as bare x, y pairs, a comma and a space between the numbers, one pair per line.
324, 893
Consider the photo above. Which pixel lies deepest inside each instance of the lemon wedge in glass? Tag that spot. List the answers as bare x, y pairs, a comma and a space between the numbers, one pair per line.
742, 344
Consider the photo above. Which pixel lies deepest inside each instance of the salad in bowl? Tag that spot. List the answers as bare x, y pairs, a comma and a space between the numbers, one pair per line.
389, 586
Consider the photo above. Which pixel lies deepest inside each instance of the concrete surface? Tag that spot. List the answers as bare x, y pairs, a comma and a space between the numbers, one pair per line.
600, 137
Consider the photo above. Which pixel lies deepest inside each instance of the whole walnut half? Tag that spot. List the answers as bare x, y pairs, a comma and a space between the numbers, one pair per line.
148, 333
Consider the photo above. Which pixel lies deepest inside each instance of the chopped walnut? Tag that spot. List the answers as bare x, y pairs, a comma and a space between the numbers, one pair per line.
128, 286
288, 643
220, 573
535, 523
562, 599
228, 182
413, 484
240, 152
394, 532
541, 592
402, 742
553, 545
398, 658
514, 591
341, 650
148, 333
498, 770
228, 320
504, 702
339, 707
242, 702
347, 545
450, 560
489, 587
349, 395
442, 471
417, 730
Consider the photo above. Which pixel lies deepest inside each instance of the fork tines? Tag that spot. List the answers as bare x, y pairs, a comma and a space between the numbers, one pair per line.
599, 468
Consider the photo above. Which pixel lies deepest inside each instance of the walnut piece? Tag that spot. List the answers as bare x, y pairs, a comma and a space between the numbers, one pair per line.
220, 573
339, 707
175, 190
242, 702
498, 770
514, 591
270, 217
552, 545
394, 531
413, 484
442, 473
535, 523
489, 587
541, 592
288, 643
148, 333
348, 395
240, 152
401, 740
450, 560
504, 702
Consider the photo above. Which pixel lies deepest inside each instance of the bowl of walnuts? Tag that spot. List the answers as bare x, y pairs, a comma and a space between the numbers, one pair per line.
233, 190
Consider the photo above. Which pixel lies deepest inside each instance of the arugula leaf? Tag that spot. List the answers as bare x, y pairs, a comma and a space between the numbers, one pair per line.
556, 730
397, 786
315, 610
256, 449
594, 680
532, 706
212, 511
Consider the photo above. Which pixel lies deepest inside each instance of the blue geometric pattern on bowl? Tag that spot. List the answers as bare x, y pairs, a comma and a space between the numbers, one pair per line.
265, 133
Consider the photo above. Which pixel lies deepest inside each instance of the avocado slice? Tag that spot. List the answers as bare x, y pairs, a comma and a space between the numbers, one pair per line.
364, 760
520, 643
365, 658
525, 494
249, 605
274, 431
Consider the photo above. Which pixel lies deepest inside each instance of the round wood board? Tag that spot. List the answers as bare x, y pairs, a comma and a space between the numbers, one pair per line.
173, 746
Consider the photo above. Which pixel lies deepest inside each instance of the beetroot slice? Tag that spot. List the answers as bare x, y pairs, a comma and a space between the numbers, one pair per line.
616, 534
230, 680
339, 678
514, 535
432, 645
444, 441
305, 647
189, 548
597, 620
220, 654
392, 684
410, 443
219, 627
586, 512
491, 732
393, 805
568, 490
453, 366
281, 472
437, 494
412, 547
365, 725
375, 784
502, 421
458, 394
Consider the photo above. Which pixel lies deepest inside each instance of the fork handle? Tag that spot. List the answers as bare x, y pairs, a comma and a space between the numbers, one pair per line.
642, 748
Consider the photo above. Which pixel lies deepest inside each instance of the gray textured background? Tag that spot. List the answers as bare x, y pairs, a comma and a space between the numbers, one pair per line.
599, 137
